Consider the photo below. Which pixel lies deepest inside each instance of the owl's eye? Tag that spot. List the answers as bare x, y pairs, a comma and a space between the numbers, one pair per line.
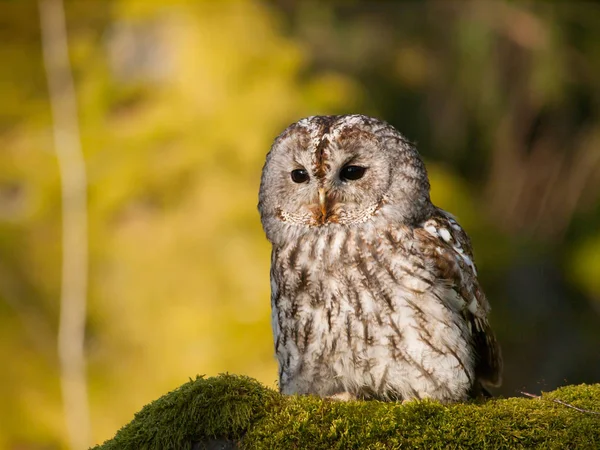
299, 176
351, 173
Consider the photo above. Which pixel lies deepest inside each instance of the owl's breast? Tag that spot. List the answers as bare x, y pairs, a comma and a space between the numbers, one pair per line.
350, 306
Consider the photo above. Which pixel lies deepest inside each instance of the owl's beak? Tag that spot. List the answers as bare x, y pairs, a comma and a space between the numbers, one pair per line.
323, 203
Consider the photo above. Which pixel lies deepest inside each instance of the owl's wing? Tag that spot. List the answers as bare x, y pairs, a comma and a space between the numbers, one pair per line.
448, 249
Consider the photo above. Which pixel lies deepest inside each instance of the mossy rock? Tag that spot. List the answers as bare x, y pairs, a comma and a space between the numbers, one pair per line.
238, 412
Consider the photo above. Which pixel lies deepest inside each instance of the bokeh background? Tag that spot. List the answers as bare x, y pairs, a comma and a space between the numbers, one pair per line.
178, 103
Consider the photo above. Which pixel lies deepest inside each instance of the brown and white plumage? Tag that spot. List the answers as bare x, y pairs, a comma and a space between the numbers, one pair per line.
374, 289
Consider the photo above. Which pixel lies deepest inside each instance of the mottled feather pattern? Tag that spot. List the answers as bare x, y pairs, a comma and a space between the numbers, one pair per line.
456, 248
374, 289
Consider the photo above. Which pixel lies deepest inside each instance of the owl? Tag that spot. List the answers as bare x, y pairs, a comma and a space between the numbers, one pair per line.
374, 291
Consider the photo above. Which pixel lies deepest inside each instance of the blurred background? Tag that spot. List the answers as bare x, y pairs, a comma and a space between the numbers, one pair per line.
177, 105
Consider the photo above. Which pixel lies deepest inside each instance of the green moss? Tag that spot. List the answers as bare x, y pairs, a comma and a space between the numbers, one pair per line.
239, 408
201, 409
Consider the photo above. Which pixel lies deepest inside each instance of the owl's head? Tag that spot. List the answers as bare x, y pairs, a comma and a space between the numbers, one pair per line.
341, 171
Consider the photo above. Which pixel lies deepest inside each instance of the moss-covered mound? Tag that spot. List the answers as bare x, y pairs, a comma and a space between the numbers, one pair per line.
229, 411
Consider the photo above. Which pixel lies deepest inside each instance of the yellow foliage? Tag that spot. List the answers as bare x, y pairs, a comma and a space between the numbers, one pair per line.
178, 105
179, 264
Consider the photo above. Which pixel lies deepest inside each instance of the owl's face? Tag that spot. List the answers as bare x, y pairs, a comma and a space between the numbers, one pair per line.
340, 171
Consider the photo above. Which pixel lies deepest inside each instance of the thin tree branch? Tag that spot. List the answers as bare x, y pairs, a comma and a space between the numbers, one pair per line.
560, 402
71, 163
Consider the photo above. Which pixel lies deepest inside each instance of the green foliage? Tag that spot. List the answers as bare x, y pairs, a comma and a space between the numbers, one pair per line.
239, 408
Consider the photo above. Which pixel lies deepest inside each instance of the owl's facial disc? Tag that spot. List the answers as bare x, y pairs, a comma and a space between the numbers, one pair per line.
340, 171
327, 175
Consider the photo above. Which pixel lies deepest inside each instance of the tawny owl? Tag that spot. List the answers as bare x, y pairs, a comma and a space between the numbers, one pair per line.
374, 289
